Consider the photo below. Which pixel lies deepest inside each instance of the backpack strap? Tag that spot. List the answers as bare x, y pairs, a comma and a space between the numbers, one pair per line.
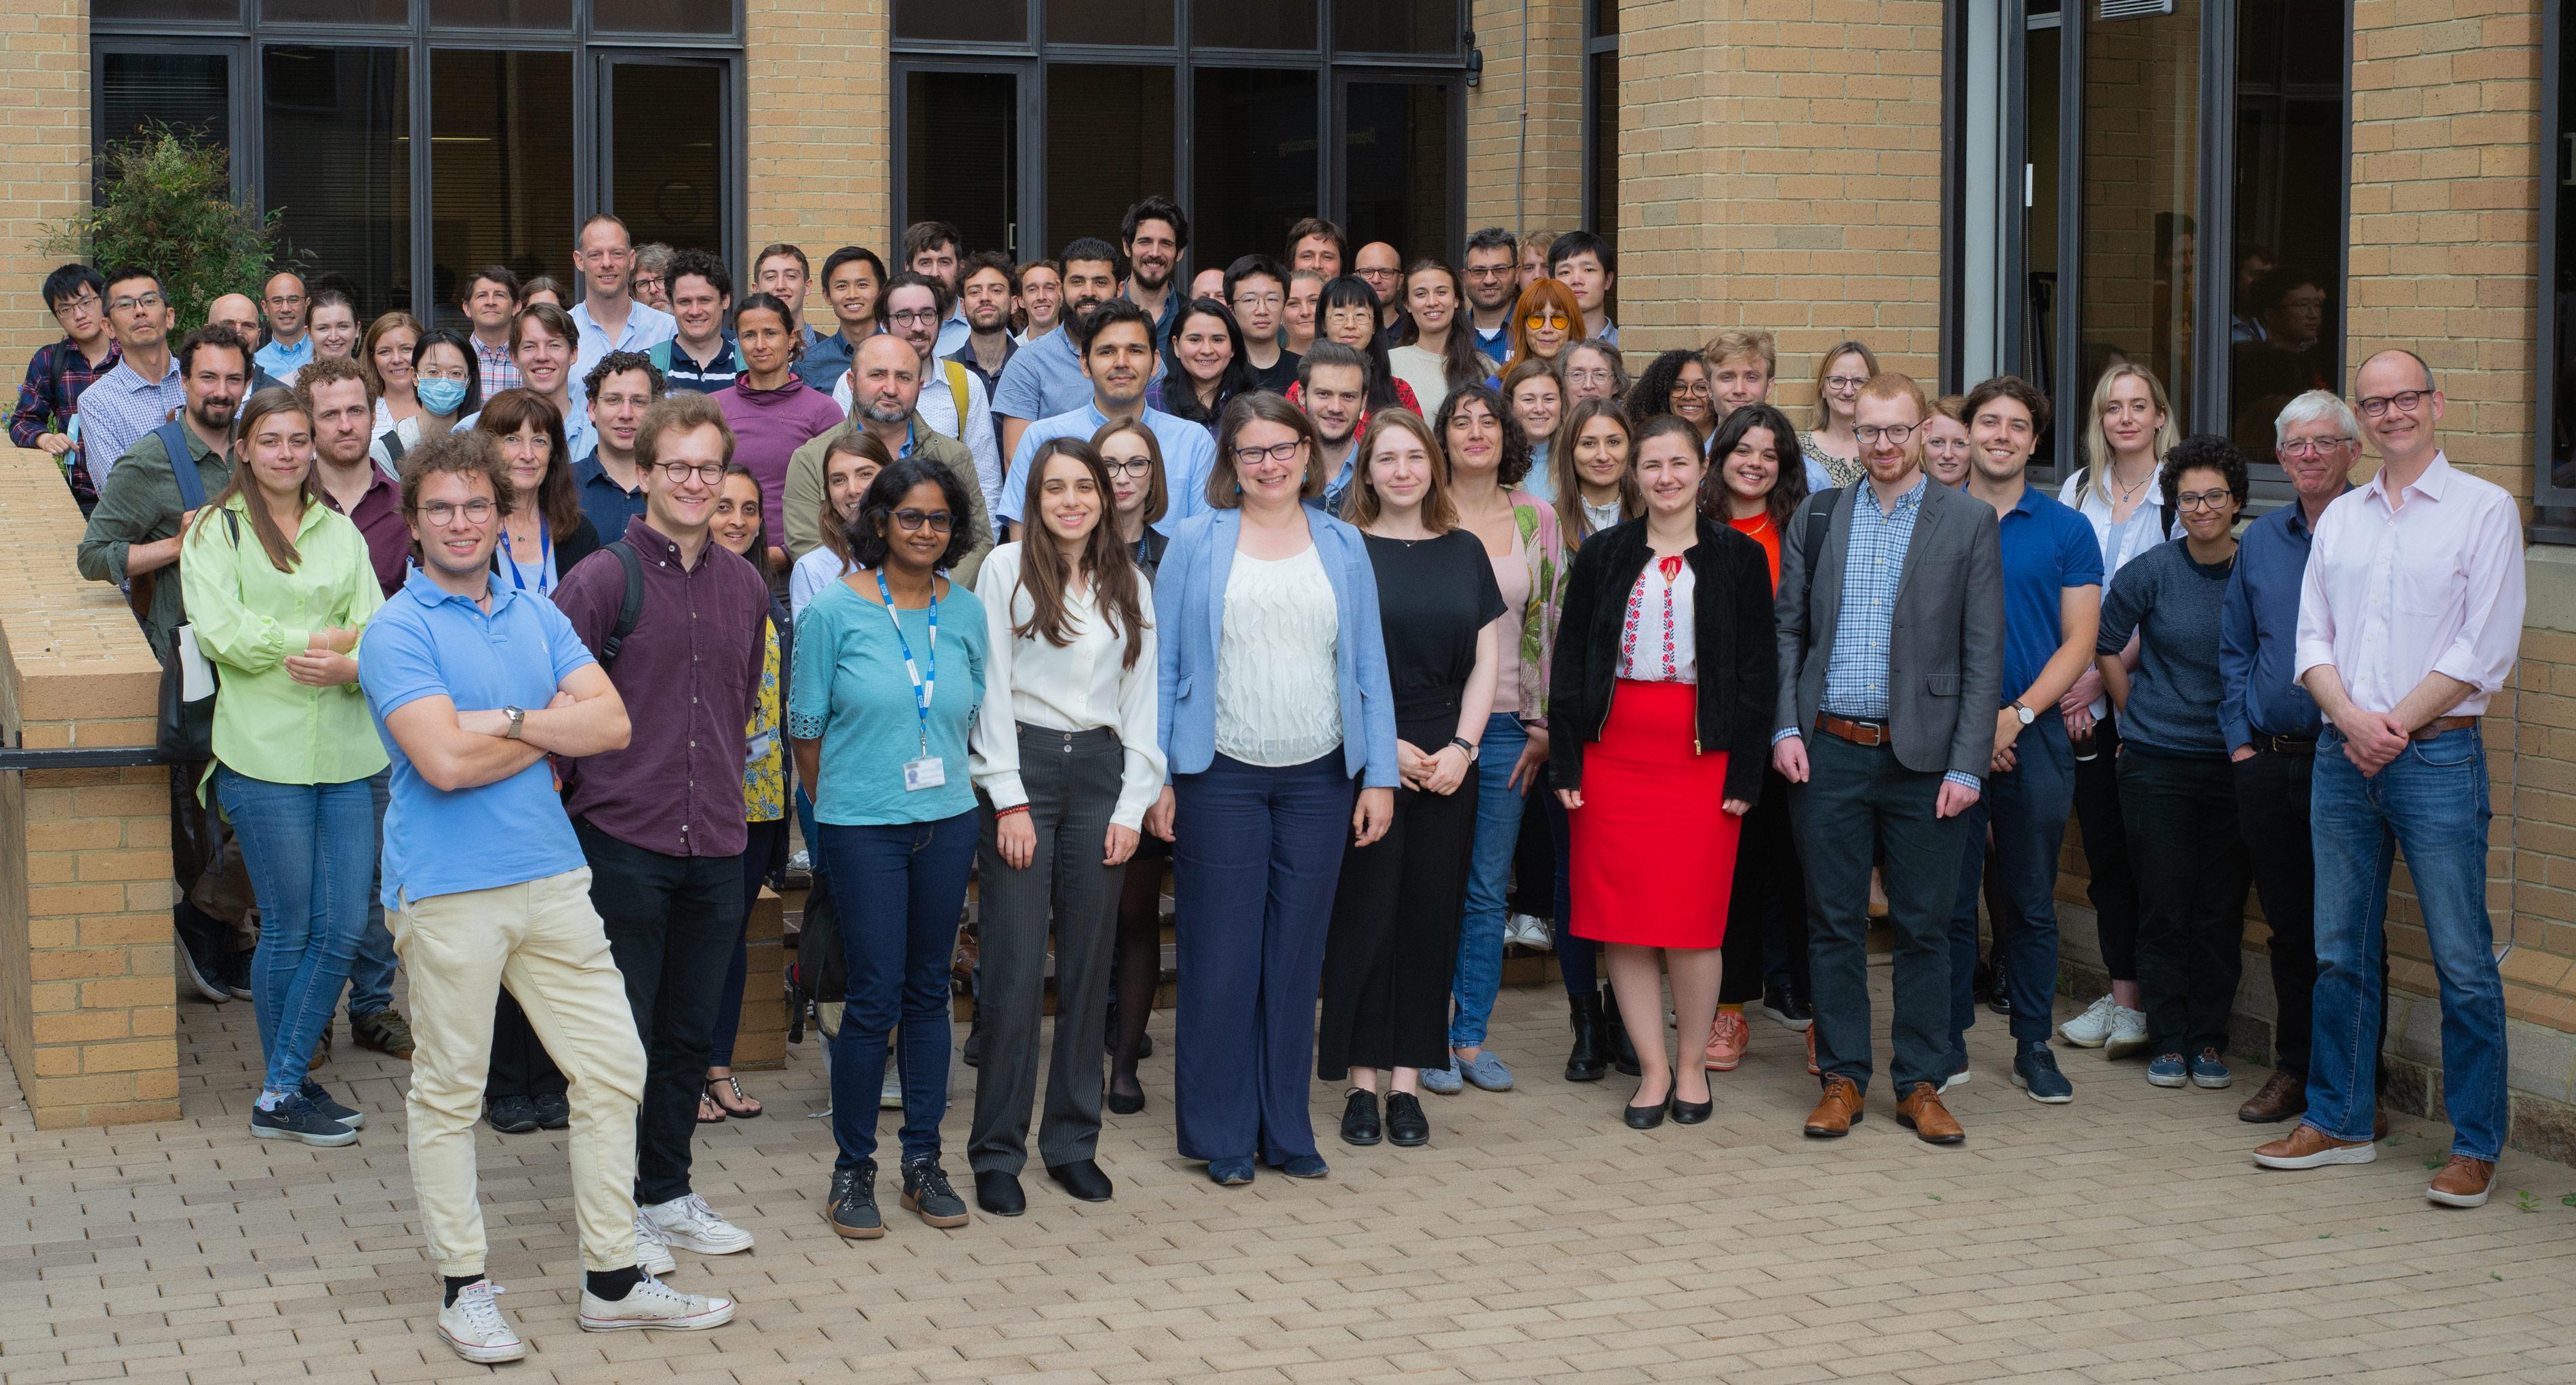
956, 374
393, 444
1819, 519
183, 465
659, 353
630, 609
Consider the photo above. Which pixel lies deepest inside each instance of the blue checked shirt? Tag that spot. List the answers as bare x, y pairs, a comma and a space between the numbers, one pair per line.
117, 410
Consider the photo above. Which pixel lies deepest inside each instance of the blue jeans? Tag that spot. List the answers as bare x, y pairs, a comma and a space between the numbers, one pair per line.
371, 972
2027, 807
2432, 800
311, 856
899, 892
1489, 876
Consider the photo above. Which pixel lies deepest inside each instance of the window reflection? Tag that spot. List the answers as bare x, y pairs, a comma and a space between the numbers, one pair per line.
1088, 194
1255, 147
2285, 323
1395, 148
501, 165
344, 199
2141, 239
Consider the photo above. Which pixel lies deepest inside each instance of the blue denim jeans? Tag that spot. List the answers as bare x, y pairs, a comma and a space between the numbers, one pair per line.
899, 892
311, 858
2027, 807
371, 972
1489, 878
2432, 801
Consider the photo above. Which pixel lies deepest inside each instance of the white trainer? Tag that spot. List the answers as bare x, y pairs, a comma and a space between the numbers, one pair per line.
474, 1326
652, 1303
1530, 931
2128, 1032
890, 1096
689, 1223
2091, 1029
652, 1247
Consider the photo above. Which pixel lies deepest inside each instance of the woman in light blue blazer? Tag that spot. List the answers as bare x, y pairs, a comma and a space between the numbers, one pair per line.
1279, 730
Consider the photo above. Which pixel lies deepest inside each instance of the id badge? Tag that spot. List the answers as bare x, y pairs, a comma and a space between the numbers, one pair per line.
928, 772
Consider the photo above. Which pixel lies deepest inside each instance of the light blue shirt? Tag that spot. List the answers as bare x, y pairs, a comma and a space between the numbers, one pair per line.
952, 334
1189, 453
849, 690
283, 361
1856, 672
429, 642
1540, 482
1043, 379
646, 328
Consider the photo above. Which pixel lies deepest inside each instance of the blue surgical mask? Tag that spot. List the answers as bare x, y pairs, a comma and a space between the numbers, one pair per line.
441, 397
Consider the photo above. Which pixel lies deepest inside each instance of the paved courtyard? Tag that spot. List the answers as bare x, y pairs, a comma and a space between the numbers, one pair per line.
2123, 1238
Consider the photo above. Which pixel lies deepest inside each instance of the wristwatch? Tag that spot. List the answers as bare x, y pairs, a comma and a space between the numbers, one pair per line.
2024, 714
518, 721
1466, 745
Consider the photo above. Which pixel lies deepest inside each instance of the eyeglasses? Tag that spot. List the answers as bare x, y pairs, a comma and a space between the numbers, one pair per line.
1131, 466
2311, 447
914, 317
677, 472
940, 521
1596, 375
284, 300
1550, 318
1895, 432
1690, 389
442, 513
2405, 402
1490, 271
131, 302
86, 303
2203, 500
1845, 384
1259, 300
1277, 452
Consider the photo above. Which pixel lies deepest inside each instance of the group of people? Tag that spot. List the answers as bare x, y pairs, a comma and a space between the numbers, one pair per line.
1310, 585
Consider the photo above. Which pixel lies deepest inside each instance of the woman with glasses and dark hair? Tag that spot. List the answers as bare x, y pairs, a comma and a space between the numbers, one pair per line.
1203, 365
1278, 725
1348, 313
1839, 376
1133, 460
889, 673
1675, 383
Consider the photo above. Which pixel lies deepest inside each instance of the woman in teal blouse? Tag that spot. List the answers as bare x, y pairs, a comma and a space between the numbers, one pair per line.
889, 673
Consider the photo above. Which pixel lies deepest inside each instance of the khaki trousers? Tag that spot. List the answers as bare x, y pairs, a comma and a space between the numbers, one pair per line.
543, 940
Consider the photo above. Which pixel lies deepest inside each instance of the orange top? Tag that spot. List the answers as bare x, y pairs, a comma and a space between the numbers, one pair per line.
1761, 530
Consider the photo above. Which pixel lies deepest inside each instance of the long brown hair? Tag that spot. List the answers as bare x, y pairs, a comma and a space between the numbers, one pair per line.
1158, 495
1103, 559
860, 443
1572, 520
279, 544
1360, 505
558, 504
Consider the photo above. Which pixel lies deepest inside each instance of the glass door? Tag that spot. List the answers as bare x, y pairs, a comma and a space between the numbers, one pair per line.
961, 131
665, 169
1394, 165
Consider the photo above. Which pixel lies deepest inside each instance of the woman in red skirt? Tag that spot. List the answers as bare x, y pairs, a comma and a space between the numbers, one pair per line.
1661, 693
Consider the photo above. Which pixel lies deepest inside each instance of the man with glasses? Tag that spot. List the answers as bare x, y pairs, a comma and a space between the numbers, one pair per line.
237, 311
1492, 262
660, 819
2272, 724
290, 345
49, 398
2410, 618
952, 399
608, 318
1883, 732
1256, 288
1382, 269
142, 391
885, 380
1117, 357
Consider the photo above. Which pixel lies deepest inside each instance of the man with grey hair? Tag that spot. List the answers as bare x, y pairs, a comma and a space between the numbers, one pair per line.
2271, 724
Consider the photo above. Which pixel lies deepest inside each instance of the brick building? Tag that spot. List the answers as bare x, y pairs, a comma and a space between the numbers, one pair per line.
2032, 185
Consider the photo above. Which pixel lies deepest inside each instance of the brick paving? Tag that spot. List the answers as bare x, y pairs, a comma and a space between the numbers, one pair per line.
2123, 1238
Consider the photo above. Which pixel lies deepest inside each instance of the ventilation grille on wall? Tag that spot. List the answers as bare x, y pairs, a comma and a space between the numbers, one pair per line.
2135, 9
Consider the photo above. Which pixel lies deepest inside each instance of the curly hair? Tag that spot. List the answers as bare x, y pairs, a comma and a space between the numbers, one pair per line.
868, 543
1653, 392
1515, 462
2205, 452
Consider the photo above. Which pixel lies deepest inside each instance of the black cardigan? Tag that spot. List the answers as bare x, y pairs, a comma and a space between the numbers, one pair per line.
1732, 630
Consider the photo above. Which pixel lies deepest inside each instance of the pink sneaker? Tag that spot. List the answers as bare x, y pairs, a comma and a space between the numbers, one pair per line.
1726, 1041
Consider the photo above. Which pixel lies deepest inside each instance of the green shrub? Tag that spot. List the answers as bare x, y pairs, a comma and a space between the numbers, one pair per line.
167, 205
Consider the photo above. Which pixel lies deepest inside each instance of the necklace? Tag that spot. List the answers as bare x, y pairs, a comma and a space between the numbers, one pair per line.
2129, 492
1761, 526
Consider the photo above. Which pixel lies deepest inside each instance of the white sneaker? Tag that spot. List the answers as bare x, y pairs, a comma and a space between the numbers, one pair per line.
890, 1096
802, 859
689, 1223
2128, 1032
1956, 1079
653, 1303
652, 1247
2092, 1028
1529, 931
473, 1325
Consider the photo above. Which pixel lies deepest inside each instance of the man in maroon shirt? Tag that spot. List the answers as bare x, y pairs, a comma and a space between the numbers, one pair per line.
661, 821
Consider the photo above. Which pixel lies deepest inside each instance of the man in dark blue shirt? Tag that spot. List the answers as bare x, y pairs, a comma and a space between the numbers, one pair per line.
2271, 725
700, 357
2052, 606
609, 482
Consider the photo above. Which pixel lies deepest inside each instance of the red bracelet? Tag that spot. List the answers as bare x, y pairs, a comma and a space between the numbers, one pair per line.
1001, 813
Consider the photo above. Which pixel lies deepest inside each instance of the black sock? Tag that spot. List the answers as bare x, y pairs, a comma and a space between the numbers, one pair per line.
456, 1283
611, 1285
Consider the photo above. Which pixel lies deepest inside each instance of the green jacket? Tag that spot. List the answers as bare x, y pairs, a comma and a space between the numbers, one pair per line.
140, 504
804, 495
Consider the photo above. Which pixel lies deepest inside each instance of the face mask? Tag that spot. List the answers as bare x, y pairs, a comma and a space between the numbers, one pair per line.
441, 397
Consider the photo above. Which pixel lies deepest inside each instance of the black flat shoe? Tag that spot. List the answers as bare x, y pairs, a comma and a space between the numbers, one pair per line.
1083, 1179
1692, 1112
1360, 1123
1125, 1103
1406, 1125
1646, 1117
511, 1115
999, 1193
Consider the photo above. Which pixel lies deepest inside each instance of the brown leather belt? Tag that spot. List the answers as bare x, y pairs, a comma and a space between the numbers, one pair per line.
2439, 725
1856, 732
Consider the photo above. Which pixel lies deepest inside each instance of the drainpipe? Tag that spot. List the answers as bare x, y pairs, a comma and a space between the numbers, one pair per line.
1520, 171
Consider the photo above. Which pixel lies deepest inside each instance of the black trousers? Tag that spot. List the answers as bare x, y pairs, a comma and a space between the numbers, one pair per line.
2192, 878
1392, 946
520, 1064
2110, 882
2272, 815
672, 923
1766, 917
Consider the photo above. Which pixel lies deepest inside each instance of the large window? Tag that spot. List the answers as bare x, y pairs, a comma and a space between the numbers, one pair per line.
1251, 116
325, 105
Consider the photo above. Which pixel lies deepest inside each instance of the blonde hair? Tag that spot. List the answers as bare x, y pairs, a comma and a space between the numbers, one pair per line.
1360, 502
1756, 343
2097, 444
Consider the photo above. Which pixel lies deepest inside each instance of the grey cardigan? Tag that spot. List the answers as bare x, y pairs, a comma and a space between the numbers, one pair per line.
1946, 639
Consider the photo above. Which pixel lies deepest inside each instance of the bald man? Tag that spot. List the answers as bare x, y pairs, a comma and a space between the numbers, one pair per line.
240, 313
1382, 270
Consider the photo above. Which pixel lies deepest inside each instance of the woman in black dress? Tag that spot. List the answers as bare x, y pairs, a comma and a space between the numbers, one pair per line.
1137, 498
1394, 936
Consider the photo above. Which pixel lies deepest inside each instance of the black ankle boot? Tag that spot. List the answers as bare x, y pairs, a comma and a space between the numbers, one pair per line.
1589, 1061
1612, 1037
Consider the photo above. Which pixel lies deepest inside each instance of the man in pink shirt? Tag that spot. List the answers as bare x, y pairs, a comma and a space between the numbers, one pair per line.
2409, 620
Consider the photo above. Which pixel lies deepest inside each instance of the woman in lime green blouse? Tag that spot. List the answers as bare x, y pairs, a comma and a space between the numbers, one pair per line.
279, 587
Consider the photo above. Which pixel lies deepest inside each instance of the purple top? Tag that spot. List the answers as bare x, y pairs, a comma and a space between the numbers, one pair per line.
379, 517
768, 426
689, 672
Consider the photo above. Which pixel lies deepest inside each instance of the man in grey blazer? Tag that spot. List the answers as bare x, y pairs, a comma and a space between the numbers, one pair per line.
1891, 621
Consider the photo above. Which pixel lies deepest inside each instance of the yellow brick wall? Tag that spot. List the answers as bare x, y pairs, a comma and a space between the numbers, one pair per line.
821, 130
1542, 187
44, 156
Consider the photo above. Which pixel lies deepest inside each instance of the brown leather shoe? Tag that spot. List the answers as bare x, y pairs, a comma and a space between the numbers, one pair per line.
2283, 1096
1920, 1110
2463, 1182
2310, 1148
2379, 1122
1840, 1109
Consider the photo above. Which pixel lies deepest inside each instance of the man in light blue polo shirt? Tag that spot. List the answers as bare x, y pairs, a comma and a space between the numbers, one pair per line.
1045, 378
290, 345
1117, 342
608, 316
473, 687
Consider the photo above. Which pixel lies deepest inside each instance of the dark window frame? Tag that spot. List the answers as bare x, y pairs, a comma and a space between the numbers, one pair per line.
1595, 43
2553, 504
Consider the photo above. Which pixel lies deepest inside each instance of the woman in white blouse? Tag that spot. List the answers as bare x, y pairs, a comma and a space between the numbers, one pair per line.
1067, 761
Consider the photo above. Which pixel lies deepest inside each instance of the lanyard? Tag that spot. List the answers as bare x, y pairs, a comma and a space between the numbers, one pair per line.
922, 688
545, 556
